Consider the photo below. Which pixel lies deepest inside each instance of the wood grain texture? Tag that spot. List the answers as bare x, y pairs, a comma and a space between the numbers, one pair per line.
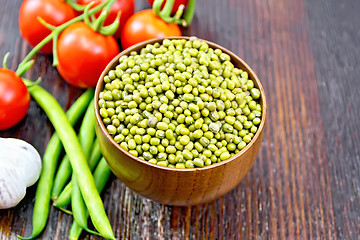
305, 182
335, 37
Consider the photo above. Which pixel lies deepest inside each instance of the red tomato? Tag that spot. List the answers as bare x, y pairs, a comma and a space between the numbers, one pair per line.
14, 99
145, 25
54, 12
126, 7
83, 54
176, 6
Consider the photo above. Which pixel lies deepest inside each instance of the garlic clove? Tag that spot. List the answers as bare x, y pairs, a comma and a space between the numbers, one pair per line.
16, 152
20, 167
12, 189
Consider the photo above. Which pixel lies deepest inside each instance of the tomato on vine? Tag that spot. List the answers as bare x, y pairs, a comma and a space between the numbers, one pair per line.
145, 25
14, 99
54, 12
83, 54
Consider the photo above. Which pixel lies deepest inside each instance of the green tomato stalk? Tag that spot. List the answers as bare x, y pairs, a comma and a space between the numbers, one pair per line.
75, 6
98, 24
5, 60
165, 13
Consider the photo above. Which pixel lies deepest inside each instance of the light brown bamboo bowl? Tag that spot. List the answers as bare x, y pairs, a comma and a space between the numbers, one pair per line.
171, 186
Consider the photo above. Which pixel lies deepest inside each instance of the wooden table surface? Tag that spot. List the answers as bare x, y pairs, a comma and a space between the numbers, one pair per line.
305, 182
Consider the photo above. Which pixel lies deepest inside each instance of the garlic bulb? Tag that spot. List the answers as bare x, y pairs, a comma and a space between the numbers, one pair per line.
20, 167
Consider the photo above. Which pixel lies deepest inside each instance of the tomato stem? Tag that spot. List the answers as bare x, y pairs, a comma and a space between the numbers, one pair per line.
55, 52
86, 14
165, 13
190, 11
5, 60
178, 14
24, 65
44, 23
75, 6
111, 29
99, 22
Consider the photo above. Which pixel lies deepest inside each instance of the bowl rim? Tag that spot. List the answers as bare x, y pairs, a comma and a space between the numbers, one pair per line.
212, 45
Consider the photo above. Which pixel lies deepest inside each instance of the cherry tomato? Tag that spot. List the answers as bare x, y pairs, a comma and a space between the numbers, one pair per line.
83, 54
54, 12
126, 7
176, 5
14, 99
145, 25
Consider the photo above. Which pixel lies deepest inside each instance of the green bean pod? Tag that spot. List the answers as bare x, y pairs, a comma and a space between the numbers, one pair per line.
95, 155
77, 204
87, 130
86, 137
64, 197
101, 176
78, 161
62, 176
50, 160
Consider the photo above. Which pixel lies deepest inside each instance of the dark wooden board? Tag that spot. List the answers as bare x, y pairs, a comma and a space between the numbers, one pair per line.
305, 182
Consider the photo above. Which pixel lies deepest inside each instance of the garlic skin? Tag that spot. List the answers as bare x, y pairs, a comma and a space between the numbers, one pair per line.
20, 167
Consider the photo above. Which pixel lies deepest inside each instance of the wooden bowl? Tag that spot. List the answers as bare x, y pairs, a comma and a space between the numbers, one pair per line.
179, 187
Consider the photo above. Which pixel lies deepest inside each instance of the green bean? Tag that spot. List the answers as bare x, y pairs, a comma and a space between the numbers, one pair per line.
50, 159
64, 197
101, 175
95, 155
86, 137
78, 206
61, 177
72, 147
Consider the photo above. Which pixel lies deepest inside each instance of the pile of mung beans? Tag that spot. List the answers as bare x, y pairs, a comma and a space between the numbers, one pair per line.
180, 104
